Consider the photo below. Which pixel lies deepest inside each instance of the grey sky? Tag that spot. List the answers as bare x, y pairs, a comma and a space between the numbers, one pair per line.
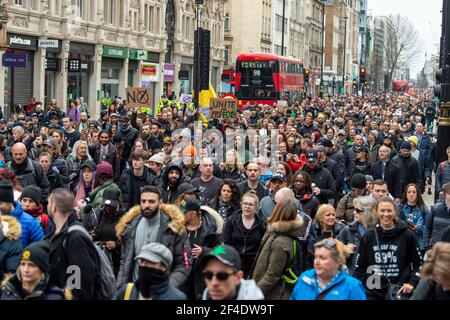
426, 17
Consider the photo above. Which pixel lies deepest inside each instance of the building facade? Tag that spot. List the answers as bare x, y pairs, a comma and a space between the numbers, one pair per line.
97, 48
313, 45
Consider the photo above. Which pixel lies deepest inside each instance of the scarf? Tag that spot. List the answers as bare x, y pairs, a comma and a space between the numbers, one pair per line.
224, 210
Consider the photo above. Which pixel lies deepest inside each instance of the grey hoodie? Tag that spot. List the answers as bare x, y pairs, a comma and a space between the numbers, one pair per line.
248, 290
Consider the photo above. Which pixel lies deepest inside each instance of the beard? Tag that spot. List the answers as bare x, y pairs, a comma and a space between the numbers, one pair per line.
145, 136
150, 213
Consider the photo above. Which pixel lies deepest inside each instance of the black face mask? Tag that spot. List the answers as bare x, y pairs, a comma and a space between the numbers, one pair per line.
149, 277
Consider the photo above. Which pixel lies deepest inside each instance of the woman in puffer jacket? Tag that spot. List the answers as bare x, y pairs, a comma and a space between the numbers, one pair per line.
10, 245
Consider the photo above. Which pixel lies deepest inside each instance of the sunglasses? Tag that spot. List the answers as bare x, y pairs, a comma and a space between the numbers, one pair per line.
221, 276
359, 210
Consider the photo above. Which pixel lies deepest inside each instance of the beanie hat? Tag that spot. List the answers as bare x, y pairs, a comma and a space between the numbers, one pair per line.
32, 192
38, 253
375, 133
2, 138
104, 168
191, 150
405, 145
358, 181
6, 191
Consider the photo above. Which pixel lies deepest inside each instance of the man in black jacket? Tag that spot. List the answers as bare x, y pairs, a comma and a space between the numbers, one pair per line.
333, 167
324, 186
252, 183
106, 151
28, 171
74, 261
172, 178
408, 167
128, 135
133, 179
387, 170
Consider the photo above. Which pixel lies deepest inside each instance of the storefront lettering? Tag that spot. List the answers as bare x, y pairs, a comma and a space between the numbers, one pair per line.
20, 41
115, 52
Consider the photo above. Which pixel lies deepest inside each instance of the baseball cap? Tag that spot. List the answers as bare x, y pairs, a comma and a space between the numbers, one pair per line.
186, 188
190, 204
278, 176
167, 140
320, 148
311, 156
342, 132
362, 149
111, 196
156, 253
225, 254
114, 115
125, 119
327, 143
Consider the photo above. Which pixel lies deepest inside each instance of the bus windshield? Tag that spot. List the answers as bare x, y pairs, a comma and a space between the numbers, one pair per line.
257, 80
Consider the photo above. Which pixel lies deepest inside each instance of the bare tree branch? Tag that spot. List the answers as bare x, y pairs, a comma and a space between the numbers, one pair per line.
402, 45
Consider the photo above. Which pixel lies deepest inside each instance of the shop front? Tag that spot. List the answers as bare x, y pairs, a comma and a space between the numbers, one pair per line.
18, 61
169, 77
150, 78
79, 67
52, 67
112, 68
186, 75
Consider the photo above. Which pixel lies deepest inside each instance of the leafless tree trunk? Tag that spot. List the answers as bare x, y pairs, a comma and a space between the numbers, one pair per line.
402, 44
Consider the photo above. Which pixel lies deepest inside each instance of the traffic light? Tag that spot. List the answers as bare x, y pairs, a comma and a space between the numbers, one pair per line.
362, 74
354, 83
443, 79
306, 75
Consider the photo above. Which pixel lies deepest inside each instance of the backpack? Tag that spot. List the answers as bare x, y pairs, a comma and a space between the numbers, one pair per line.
292, 273
105, 283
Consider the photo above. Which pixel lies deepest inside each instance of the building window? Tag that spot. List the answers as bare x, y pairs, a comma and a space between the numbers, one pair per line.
278, 23
18, 3
227, 56
226, 23
80, 8
110, 11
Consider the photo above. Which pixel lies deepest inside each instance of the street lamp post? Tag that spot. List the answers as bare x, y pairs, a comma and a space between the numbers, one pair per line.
282, 28
197, 45
345, 49
323, 46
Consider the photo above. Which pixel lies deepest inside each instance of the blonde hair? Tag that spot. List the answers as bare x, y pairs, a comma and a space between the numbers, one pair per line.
436, 263
323, 209
339, 253
368, 204
251, 194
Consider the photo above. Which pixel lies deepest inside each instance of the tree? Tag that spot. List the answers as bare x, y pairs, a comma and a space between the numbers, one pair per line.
402, 44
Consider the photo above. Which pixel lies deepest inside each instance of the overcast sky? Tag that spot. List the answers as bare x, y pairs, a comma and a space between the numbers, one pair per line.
426, 17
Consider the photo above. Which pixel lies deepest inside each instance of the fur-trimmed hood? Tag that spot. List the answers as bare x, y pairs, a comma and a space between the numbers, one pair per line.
177, 223
10, 227
286, 226
216, 217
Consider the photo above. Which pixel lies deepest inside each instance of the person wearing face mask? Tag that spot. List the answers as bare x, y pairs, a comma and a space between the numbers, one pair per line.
153, 221
101, 222
155, 261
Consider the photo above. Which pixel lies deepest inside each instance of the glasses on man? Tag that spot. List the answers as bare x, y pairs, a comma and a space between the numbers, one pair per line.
221, 276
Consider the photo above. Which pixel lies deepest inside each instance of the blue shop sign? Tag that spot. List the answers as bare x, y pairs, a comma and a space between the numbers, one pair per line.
14, 60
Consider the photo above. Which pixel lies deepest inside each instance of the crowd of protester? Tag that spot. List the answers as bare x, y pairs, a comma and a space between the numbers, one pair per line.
319, 199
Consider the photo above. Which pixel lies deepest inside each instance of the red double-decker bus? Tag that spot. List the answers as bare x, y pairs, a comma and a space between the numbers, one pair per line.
265, 78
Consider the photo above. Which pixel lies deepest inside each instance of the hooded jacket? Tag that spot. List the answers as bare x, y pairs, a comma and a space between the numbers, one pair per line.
401, 255
125, 184
170, 194
111, 157
172, 234
246, 242
60, 164
408, 169
342, 287
31, 230
32, 174
276, 252
74, 165
10, 245
207, 237
324, 181
247, 290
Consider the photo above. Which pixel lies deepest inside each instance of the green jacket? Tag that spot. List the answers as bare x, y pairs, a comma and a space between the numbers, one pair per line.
96, 195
